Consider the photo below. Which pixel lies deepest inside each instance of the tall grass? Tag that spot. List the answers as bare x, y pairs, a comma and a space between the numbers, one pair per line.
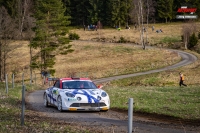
170, 40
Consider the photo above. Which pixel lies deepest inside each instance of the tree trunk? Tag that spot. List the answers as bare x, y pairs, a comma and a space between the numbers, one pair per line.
147, 21
4, 59
186, 41
31, 70
0, 61
142, 28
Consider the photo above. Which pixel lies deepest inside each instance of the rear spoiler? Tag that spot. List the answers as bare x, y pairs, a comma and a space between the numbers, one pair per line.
53, 79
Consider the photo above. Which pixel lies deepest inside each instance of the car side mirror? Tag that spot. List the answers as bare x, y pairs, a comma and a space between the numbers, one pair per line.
100, 86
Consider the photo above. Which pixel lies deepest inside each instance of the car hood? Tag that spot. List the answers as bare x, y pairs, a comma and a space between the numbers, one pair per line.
84, 91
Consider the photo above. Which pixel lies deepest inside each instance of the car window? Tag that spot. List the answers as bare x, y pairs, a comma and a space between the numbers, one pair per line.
78, 85
57, 84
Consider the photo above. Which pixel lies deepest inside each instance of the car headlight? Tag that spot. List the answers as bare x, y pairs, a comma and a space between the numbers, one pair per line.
69, 94
104, 94
79, 98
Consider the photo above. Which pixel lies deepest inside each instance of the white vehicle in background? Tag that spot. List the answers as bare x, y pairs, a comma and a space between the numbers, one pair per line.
76, 94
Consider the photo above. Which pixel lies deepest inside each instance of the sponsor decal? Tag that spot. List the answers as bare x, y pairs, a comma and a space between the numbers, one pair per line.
188, 13
72, 99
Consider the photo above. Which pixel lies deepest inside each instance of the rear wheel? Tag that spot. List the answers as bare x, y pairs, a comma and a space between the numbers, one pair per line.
46, 103
59, 101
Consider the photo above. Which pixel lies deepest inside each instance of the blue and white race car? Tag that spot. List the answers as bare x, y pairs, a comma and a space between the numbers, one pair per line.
76, 94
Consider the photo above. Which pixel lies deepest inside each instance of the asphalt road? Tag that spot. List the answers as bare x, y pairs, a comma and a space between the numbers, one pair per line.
187, 59
113, 121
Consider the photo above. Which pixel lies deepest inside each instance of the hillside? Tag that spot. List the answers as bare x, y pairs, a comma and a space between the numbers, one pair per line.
103, 59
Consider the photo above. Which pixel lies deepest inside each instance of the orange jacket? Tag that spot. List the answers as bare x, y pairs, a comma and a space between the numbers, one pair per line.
182, 77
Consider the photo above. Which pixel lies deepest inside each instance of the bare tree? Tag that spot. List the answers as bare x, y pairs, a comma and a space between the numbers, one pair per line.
30, 34
150, 11
99, 27
142, 11
25, 8
11, 28
138, 10
187, 30
24, 12
7, 25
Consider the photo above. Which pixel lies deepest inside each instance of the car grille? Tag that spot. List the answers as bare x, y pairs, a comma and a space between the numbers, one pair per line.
87, 105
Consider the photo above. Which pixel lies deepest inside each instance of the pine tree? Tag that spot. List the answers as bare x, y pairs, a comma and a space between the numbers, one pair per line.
119, 12
79, 12
67, 4
104, 13
50, 34
193, 40
165, 9
94, 11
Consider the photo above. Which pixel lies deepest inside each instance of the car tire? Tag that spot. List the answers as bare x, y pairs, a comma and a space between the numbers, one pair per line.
46, 103
59, 103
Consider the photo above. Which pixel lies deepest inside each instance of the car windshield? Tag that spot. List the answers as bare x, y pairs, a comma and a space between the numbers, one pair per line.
78, 85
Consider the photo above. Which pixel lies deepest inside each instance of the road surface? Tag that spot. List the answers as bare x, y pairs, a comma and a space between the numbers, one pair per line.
114, 121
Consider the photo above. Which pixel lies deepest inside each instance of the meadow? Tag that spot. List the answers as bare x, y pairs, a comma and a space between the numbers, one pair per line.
157, 93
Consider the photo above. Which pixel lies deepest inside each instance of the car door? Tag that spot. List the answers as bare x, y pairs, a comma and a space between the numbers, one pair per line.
55, 91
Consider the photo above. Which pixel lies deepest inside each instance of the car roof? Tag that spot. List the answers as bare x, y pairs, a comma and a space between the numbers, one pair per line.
74, 78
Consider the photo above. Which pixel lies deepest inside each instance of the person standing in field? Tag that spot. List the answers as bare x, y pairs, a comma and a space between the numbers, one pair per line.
152, 28
84, 27
181, 79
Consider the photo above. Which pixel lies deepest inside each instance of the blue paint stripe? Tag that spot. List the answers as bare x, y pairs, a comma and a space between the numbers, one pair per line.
51, 97
89, 97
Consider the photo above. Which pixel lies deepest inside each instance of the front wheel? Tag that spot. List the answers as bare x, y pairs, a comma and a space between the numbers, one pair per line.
59, 106
46, 103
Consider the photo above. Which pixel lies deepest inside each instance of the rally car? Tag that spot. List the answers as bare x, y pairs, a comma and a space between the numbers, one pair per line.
76, 94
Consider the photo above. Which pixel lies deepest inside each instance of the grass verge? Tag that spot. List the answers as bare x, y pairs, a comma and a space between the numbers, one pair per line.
10, 116
179, 102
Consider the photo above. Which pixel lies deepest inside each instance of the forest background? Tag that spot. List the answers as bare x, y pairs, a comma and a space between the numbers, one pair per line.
112, 12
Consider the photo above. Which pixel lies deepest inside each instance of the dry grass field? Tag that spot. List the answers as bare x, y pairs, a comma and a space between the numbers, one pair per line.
98, 60
103, 59
171, 31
